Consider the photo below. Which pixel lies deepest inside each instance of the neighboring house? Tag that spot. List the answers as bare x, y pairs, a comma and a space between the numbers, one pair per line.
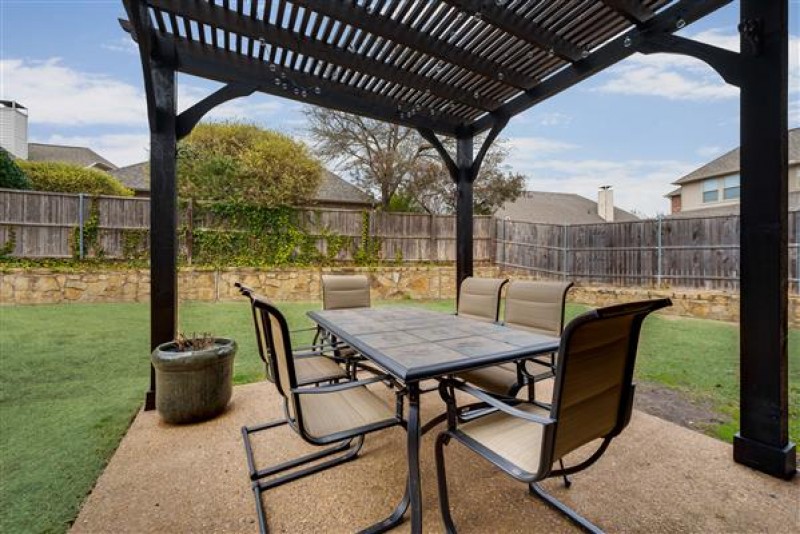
714, 188
135, 177
76, 155
333, 191
564, 208
14, 139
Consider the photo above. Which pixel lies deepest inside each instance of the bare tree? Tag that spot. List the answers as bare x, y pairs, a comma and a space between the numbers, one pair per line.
388, 160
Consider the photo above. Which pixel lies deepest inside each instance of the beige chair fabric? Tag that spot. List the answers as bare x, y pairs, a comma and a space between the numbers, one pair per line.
536, 306
345, 291
592, 383
311, 370
516, 440
479, 298
330, 413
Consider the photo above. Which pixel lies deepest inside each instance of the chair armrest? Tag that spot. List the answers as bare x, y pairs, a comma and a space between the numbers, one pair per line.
495, 403
332, 388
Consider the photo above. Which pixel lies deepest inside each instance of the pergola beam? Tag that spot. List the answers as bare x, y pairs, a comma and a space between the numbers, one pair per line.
212, 63
522, 28
227, 20
423, 43
633, 10
669, 20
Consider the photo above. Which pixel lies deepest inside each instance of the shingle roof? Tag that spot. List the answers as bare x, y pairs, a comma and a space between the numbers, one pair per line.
136, 176
77, 155
729, 163
333, 188
557, 208
673, 193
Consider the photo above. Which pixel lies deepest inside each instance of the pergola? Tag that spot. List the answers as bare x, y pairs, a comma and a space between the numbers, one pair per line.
463, 68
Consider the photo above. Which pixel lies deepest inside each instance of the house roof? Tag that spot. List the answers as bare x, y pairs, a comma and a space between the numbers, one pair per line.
673, 193
557, 208
77, 155
728, 163
332, 188
136, 176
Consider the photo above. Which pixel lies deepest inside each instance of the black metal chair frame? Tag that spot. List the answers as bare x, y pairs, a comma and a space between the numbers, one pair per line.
549, 424
343, 446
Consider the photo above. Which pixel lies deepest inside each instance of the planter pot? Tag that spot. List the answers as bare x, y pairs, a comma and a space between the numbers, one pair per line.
196, 385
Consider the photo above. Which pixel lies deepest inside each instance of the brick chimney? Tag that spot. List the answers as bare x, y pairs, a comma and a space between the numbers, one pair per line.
605, 203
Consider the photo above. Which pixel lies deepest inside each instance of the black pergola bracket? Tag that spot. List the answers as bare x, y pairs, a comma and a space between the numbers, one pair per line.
430, 136
726, 63
189, 118
776, 461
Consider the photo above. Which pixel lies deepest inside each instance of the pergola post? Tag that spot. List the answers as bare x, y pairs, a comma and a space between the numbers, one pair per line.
763, 439
464, 206
163, 213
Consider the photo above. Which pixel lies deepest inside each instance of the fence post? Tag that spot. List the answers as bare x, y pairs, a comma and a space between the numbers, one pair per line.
566, 251
80, 225
190, 231
659, 250
433, 255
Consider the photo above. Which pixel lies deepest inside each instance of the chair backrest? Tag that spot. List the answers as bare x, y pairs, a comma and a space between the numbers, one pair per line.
536, 305
593, 395
345, 291
479, 298
272, 340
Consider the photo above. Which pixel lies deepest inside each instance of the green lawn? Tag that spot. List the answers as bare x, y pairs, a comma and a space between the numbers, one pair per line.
73, 376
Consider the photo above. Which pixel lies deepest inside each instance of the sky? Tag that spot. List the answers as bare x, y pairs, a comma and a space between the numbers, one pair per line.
638, 126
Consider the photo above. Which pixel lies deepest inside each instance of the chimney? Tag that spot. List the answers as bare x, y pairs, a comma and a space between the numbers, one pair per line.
605, 203
14, 128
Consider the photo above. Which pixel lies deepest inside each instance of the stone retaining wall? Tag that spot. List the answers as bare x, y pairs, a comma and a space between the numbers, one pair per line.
38, 286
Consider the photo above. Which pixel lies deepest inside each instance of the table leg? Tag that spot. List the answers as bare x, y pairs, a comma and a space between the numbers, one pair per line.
414, 482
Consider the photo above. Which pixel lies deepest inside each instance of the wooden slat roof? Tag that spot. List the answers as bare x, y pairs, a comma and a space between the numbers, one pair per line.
451, 66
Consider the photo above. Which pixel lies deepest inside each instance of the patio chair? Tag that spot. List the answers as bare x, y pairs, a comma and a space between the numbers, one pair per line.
336, 414
535, 306
593, 399
314, 364
339, 292
479, 298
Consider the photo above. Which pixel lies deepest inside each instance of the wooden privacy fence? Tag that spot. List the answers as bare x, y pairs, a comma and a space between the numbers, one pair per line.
56, 225
680, 252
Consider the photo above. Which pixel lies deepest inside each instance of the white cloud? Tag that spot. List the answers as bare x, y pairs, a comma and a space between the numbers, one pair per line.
709, 151
56, 94
125, 45
678, 77
120, 149
536, 146
554, 119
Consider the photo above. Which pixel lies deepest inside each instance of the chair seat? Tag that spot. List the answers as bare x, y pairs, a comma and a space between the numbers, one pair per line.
498, 379
317, 369
325, 414
517, 441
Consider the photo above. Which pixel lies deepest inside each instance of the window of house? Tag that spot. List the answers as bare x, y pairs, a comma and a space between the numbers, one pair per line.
711, 190
730, 187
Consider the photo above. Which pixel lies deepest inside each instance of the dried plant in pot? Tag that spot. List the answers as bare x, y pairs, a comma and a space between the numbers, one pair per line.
194, 377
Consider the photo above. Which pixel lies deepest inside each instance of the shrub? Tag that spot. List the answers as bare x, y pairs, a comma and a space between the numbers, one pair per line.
242, 163
67, 178
11, 176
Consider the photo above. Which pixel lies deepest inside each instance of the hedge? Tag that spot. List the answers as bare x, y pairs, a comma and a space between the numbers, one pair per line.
67, 178
11, 176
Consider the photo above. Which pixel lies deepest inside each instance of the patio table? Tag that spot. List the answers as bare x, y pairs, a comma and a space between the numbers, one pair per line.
413, 345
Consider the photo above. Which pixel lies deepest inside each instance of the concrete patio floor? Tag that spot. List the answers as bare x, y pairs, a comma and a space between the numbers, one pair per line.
656, 477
